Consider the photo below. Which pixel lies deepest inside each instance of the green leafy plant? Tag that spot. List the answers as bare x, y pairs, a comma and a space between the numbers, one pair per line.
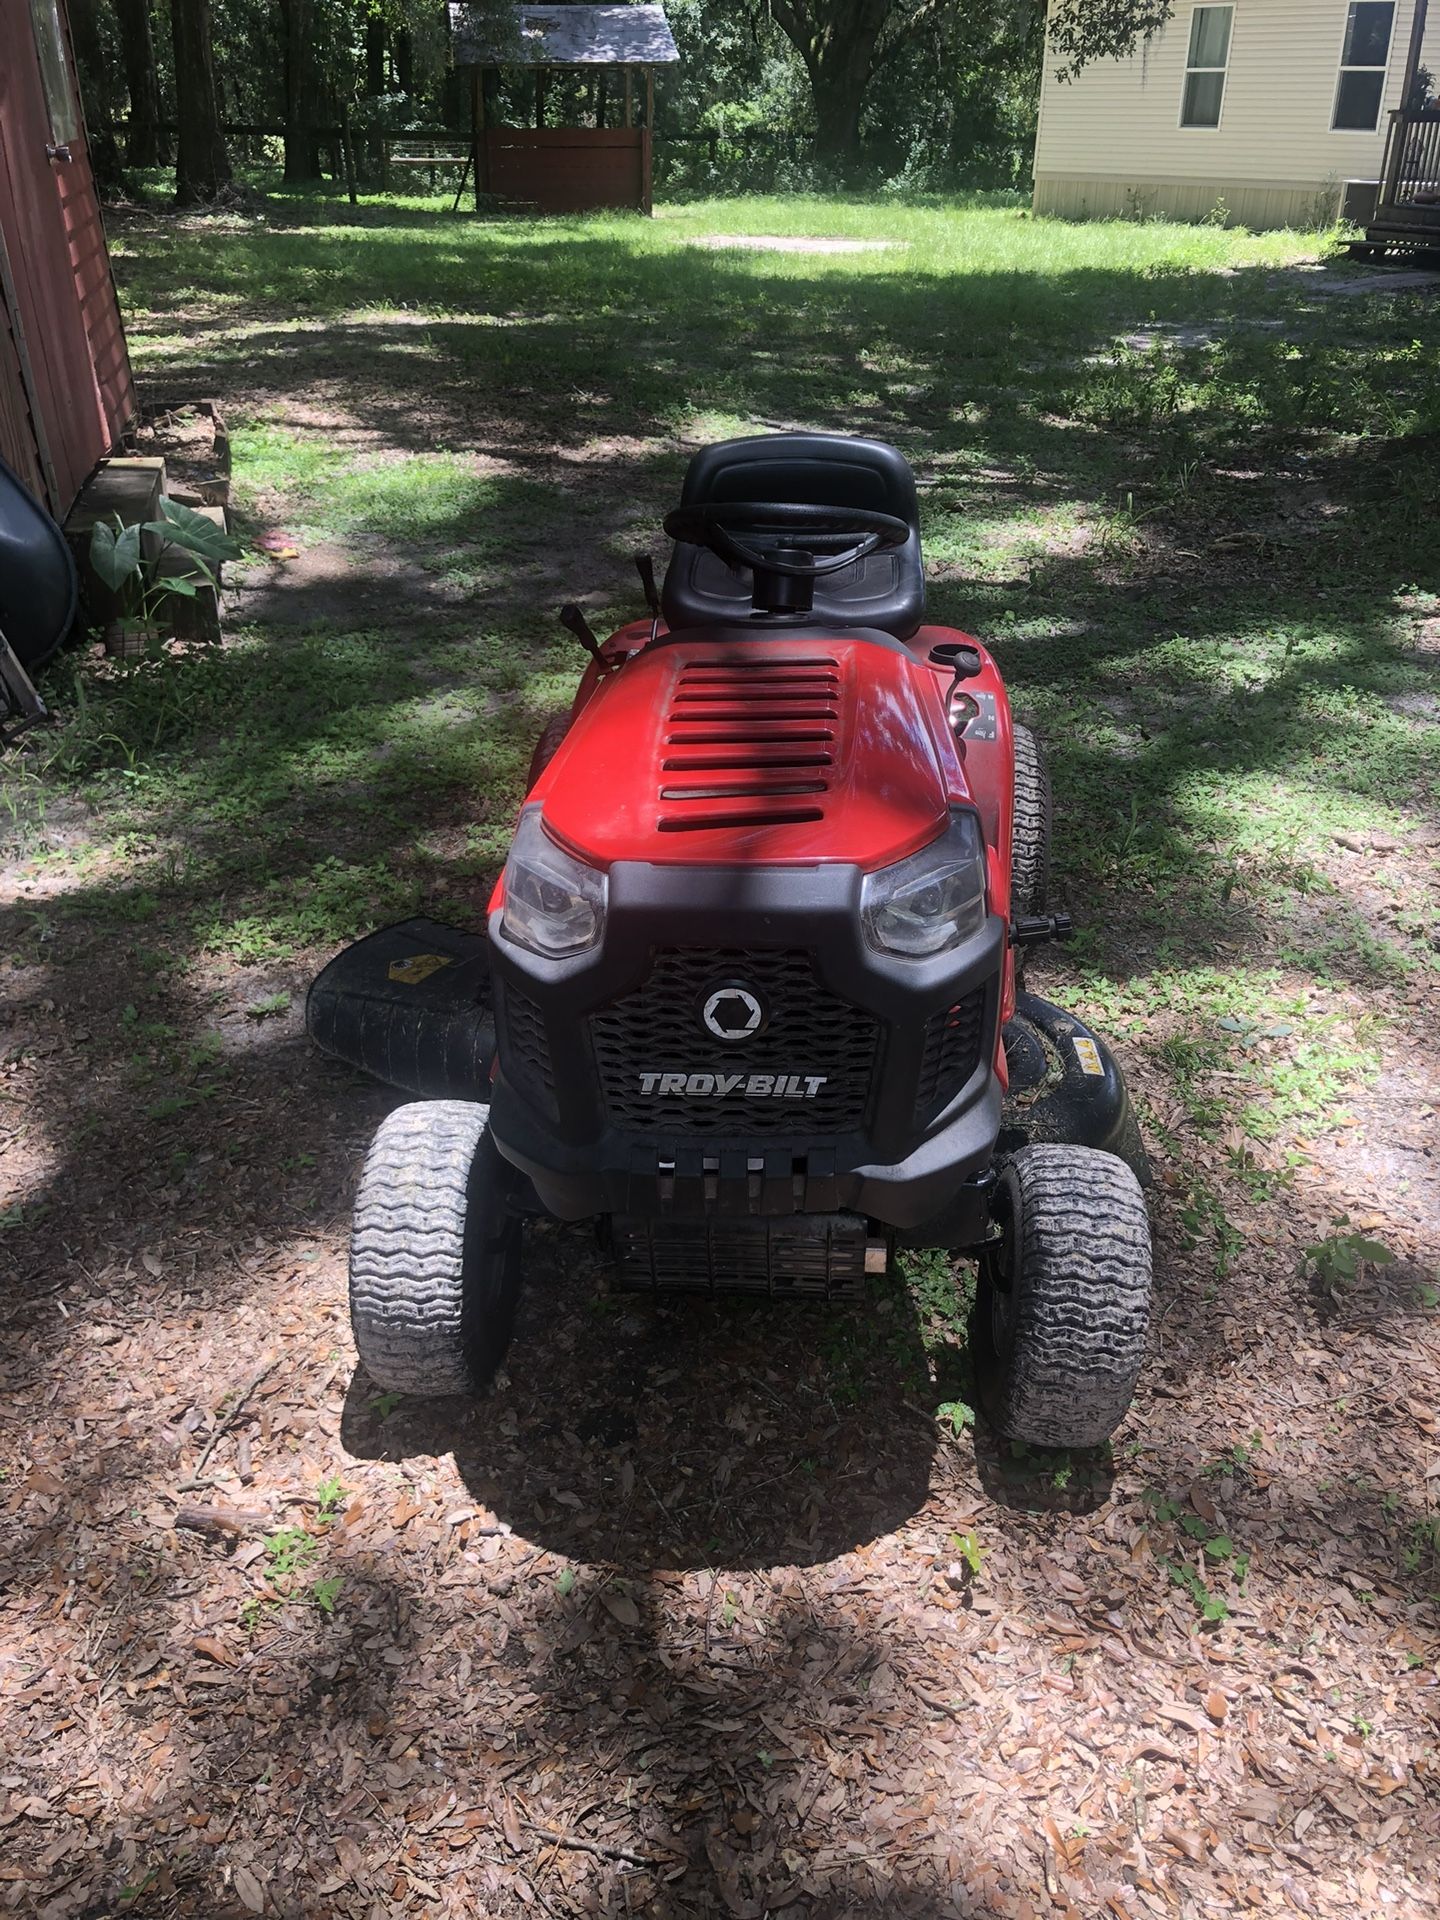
1237, 1458
272, 1004
119, 558
1218, 1549
129, 1894
254, 1608
329, 1494
959, 1413
1210, 1606
289, 1549
1423, 1545
324, 1593
971, 1553
385, 1404
1339, 1260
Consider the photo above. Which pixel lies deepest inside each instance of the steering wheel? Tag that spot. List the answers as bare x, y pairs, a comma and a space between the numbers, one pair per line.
716, 525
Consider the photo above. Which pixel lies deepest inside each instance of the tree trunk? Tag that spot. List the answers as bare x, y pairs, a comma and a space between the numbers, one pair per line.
137, 48
374, 54
93, 74
202, 166
375, 83
837, 41
298, 20
405, 62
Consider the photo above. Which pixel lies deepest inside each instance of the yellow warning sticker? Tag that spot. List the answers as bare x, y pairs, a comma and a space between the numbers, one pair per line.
1088, 1054
418, 967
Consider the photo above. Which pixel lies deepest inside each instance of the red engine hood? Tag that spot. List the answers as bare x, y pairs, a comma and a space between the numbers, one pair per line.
765, 750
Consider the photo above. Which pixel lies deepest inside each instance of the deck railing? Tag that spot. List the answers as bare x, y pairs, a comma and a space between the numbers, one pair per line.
1411, 175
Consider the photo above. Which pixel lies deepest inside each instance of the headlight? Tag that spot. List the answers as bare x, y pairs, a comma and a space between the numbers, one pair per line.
932, 901
554, 903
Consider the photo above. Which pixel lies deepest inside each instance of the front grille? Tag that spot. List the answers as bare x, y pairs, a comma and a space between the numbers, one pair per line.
809, 1032
749, 742
821, 1255
525, 1046
952, 1052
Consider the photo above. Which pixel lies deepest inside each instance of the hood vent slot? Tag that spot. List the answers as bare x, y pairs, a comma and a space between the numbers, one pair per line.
778, 718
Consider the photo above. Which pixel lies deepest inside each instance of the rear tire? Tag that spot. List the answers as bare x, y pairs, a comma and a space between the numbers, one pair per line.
434, 1252
1062, 1306
552, 736
1030, 828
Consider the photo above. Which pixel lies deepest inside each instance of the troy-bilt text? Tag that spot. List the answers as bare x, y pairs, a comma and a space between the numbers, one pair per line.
717, 1086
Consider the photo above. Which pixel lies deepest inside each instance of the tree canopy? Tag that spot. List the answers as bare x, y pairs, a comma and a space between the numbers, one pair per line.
931, 93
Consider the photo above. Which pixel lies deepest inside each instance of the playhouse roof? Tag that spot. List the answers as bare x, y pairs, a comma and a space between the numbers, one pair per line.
489, 35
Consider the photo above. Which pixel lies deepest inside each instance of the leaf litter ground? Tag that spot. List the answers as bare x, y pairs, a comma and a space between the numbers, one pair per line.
704, 1609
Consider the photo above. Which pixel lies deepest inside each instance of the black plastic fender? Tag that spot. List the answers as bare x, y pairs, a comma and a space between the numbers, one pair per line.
1065, 1086
411, 1005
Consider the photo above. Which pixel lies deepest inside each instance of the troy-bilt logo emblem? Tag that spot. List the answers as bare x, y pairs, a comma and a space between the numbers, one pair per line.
731, 1012
719, 1086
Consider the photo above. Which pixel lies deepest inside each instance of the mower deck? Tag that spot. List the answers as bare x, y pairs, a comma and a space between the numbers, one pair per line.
411, 1005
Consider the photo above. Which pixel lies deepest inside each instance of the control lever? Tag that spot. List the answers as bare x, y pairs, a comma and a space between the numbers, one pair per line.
645, 567
572, 618
963, 661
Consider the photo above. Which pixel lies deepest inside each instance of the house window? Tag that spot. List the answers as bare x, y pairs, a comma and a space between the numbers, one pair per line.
54, 60
1205, 66
1363, 61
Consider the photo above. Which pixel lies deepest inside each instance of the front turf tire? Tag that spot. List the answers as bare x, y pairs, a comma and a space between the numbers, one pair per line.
434, 1252
1062, 1305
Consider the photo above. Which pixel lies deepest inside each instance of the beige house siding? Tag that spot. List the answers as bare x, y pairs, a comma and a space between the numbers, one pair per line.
1110, 141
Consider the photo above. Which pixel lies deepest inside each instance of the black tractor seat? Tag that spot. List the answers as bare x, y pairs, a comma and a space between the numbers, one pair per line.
884, 590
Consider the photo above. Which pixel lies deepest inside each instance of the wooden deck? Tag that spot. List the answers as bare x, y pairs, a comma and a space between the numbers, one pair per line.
1407, 216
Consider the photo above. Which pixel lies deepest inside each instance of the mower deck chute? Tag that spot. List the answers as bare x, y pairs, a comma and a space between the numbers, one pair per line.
754, 969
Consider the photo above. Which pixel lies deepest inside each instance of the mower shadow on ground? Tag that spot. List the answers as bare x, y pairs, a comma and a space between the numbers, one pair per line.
676, 1433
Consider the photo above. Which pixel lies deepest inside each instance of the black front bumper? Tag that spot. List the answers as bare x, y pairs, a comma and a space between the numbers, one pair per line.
898, 1149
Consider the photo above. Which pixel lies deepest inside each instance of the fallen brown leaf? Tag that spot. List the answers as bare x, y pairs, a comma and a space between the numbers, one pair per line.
621, 1607
248, 1890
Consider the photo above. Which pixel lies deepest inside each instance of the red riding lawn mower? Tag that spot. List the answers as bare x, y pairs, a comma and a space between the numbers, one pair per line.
747, 998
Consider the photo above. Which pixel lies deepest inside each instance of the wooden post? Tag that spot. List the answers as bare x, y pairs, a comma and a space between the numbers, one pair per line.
479, 131
1394, 156
1412, 57
647, 138
348, 148
629, 100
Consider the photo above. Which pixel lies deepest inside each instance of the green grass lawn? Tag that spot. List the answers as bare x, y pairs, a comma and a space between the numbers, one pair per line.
1181, 481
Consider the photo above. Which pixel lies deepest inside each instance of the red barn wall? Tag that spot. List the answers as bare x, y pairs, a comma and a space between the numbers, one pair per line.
59, 294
